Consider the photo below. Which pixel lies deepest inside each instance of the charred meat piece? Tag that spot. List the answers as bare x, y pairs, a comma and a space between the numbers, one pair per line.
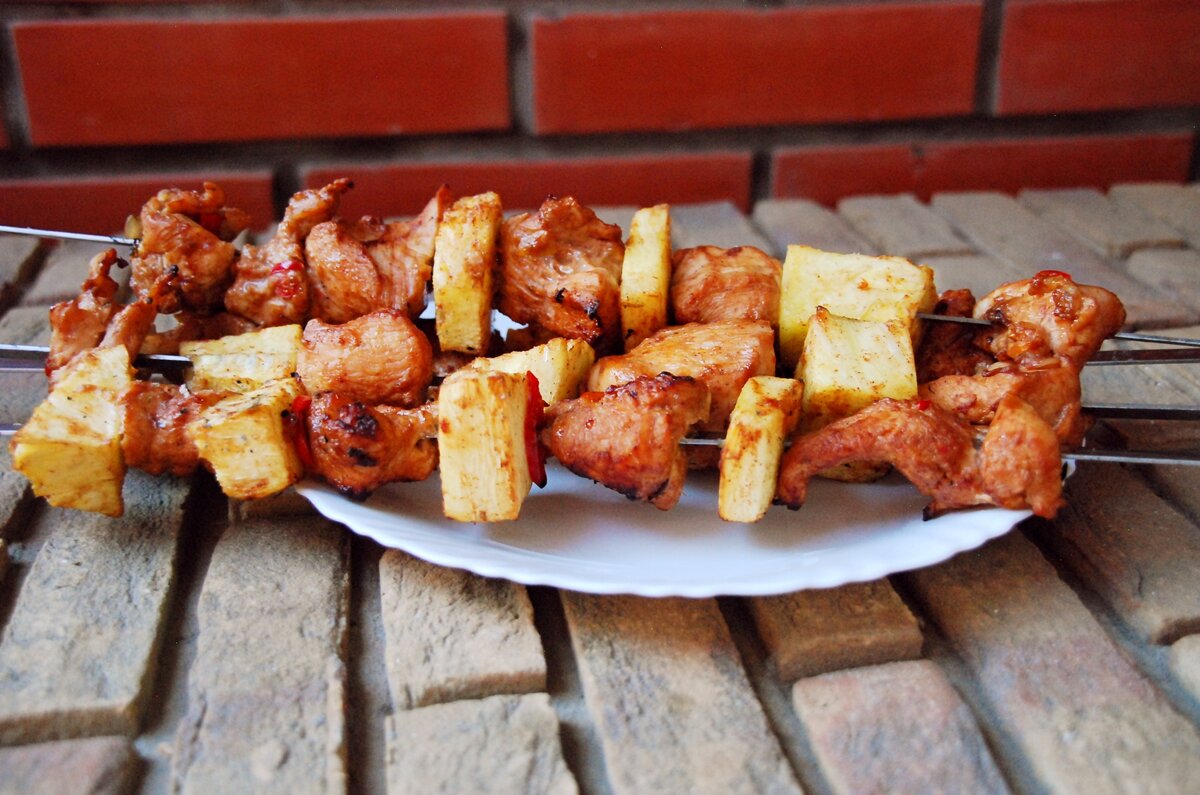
949, 348
187, 232
723, 356
710, 283
627, 437
1017, 466
79, 324
1048, 317
357, 448
156, 416
358, 267
270, 285
561, 271
381, 357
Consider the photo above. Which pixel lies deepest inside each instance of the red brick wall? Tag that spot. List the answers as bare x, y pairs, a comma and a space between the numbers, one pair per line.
652, 101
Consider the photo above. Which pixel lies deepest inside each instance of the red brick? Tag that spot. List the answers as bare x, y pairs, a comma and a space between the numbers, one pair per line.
403, 188
706, 69
827, 174
1080, 55
99, 82
100, 204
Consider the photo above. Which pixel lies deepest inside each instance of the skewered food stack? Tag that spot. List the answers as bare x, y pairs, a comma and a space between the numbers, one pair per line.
309, 356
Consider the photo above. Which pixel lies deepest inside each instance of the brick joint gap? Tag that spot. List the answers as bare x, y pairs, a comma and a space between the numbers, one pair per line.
987, 66
367, 695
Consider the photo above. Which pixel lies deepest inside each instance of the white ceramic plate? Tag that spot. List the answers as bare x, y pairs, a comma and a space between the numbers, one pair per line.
578, 535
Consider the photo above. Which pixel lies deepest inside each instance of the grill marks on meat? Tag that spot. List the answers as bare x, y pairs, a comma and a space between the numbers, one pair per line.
722, 356
561, 272
381, 357
264, 290
710, 283
358, 267
1018, 464
156, 416
357, 448
187, 233
627, 437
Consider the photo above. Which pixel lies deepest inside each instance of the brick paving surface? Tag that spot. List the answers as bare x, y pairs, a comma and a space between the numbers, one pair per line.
195, 646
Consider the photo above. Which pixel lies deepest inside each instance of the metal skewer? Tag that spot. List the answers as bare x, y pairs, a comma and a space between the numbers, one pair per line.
1120, 335
116, 240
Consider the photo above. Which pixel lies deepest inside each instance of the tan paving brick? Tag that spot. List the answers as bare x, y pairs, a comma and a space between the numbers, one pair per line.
799, 222
23, 390
18, 258
1179, 485
1113, 230
978, 273
266, 692
998, 225
501, 745
671, 701
81, 648
96, 766
812, 632
716, 224
453, 635
1176, 205
64, 271
285, 503
894, 728
903, 227
1184, 661
1080, 715
1137, 552
1172, 271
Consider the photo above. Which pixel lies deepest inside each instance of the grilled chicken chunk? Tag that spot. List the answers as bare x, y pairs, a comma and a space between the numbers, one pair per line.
709, 283
270, 285
561, 272
156, 416
358, 267
627, 437
357, 448
381, 357
1048, 316
949, 348
187, 233
722, 356
1017, 466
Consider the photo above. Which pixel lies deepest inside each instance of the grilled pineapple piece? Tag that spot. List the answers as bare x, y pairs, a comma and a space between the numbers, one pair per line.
646, 274
242, 362
850, 285
70, 449
560, 365
481, 442
765, 415
464, 264
849, 364
244, 441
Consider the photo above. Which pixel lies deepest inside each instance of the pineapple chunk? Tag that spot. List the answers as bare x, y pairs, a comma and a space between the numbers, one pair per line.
481, 442
242, 362
70, 449
464, 264
849, 364
646, 274
766, 413
850, 285
244, 441
560, 365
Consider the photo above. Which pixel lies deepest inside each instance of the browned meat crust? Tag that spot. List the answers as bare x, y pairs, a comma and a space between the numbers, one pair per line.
381, 357
1017, 466
357, 448
187, 233
723, 356
156, 417
271, 286
627, 437
949, 348
561, 271
79, 324
710, 283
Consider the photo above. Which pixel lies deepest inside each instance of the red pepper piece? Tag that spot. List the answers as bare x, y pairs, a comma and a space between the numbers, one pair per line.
296, 427
924, 405
288, 286
534, 414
